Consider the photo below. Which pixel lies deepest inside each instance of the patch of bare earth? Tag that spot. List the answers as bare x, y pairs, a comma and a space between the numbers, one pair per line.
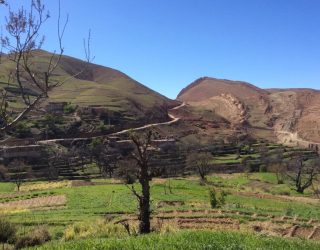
39, 202
158, 181
80, 183
169, 203
279, 197
221, 220
208, 223
315, 235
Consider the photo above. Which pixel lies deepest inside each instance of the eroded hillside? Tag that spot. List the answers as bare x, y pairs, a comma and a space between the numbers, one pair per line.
291, 116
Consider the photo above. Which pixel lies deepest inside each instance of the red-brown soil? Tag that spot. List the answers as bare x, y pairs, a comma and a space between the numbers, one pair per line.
291, 116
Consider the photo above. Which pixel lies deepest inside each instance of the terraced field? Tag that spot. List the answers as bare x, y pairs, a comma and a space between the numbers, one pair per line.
178, 205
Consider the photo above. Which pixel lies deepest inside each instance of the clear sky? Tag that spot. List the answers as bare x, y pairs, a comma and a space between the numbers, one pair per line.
167, 44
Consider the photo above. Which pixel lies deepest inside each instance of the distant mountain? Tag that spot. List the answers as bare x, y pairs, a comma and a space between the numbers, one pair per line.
292, 115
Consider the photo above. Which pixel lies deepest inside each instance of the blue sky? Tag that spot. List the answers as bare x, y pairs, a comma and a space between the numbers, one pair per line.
167, 44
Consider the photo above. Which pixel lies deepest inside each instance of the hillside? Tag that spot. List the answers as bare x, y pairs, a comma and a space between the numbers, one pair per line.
292, 115
97, 91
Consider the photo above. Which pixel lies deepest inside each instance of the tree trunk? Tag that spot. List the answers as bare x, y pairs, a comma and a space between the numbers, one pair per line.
300, 190
144, 203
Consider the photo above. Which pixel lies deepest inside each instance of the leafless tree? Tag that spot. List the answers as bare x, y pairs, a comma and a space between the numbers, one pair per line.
302, 173
247, 166
103, 156
53, 154
20, 172
33, 78
127, 170
277, 164
141, 155
201, 161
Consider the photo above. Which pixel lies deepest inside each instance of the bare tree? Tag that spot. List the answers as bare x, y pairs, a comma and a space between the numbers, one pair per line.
32, 78
277, 164
104, 156
302, 173
201, 161
20, 172
142, 155
53, 154
127, 170
247, 166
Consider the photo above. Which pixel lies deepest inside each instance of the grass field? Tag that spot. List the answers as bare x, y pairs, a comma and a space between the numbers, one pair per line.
185, 240
254, 204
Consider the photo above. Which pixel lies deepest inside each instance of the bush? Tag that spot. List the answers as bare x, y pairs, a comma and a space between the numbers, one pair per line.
69, 108
127, 171
263, 168
22, 130
217, 199
213, 198
289, 211
102, 127
7, 231
37, 237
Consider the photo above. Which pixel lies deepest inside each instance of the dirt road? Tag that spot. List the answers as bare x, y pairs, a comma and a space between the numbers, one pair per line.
172, 117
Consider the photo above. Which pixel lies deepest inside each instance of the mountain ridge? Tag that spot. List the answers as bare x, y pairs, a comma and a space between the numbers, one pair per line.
294, 110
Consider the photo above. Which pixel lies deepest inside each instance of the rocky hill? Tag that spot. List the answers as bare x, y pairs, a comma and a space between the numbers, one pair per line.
291, 116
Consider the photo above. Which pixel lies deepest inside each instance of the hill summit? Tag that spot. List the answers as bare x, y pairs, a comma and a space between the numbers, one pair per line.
292, 115
99, 94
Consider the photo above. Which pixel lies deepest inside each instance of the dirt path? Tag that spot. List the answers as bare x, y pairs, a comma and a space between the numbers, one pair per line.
173, 118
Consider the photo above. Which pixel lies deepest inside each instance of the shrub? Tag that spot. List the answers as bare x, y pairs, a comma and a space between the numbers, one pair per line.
102, 127
22, 130
127, 171
213, 198
222, 198
69, 108
37, 237
263, 168
289, 211
7, 231
129, 178
217, 199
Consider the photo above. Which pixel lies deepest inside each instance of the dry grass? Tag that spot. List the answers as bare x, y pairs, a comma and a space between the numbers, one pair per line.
32, 186
49, 201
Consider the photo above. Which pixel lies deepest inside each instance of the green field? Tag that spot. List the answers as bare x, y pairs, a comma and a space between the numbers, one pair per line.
189, 240
72, 209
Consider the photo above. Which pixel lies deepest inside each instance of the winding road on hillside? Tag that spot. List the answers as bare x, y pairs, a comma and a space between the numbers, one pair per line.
173, 118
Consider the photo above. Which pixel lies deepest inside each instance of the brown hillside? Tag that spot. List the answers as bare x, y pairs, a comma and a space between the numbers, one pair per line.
293, 115
219, 93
